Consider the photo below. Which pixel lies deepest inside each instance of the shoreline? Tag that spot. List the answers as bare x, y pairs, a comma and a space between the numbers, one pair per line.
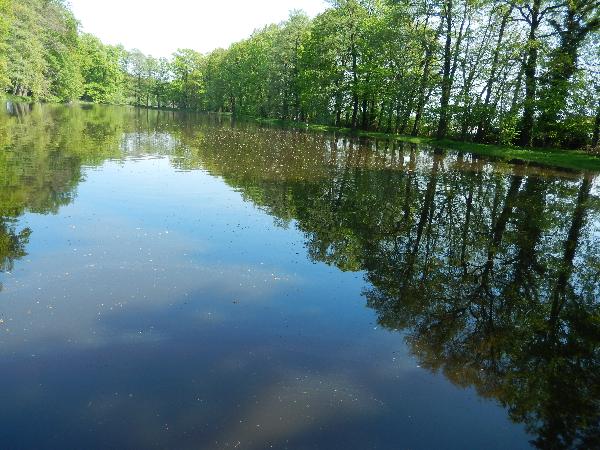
547, 157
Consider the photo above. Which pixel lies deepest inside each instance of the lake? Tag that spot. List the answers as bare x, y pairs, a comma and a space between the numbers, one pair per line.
175, 280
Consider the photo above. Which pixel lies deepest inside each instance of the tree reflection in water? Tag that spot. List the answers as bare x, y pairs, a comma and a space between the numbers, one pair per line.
490, 269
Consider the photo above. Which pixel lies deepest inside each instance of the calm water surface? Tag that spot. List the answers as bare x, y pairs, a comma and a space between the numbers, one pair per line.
180, 281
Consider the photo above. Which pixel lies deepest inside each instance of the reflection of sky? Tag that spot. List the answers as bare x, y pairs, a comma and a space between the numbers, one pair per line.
160, 309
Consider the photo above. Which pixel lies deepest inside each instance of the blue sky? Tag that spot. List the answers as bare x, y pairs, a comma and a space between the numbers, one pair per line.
159, 28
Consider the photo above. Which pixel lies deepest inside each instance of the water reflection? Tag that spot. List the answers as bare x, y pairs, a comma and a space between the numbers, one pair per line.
490, 270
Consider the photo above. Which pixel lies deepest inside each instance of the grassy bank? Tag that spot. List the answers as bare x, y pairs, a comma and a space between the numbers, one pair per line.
552, 157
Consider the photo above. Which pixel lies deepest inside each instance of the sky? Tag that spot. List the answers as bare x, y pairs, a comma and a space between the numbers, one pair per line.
159, 27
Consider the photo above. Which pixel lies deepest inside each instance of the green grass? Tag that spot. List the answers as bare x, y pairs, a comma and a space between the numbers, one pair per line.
549, 157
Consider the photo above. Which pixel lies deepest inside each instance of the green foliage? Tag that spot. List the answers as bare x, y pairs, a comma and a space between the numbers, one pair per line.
5, 17
492, 72
103, 76
41, 48
63, 59
508, 129
26, 55
188, 81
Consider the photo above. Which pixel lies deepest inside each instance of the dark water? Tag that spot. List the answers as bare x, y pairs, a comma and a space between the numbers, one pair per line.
173, 281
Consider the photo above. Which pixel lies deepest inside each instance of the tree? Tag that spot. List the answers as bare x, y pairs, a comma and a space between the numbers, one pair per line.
5, 17
61, 42
101, 70
26, 63
579, 18
188, 81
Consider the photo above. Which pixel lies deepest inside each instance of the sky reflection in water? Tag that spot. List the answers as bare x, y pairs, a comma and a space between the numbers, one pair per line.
181, 281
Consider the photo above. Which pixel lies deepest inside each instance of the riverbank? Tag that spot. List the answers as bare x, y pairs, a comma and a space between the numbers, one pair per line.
551, 157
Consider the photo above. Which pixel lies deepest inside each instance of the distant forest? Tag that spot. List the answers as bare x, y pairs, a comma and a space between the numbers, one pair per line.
524, 72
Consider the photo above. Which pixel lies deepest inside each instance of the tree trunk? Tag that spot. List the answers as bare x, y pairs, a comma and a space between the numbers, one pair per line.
365, 113
596, 134
481, 130
562, 66
427, 60
446, 77
528, 120
354, 86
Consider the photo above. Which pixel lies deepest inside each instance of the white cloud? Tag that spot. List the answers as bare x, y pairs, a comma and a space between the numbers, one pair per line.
159, 28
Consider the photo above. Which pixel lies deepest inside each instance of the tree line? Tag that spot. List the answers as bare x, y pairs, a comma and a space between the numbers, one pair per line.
523, 72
